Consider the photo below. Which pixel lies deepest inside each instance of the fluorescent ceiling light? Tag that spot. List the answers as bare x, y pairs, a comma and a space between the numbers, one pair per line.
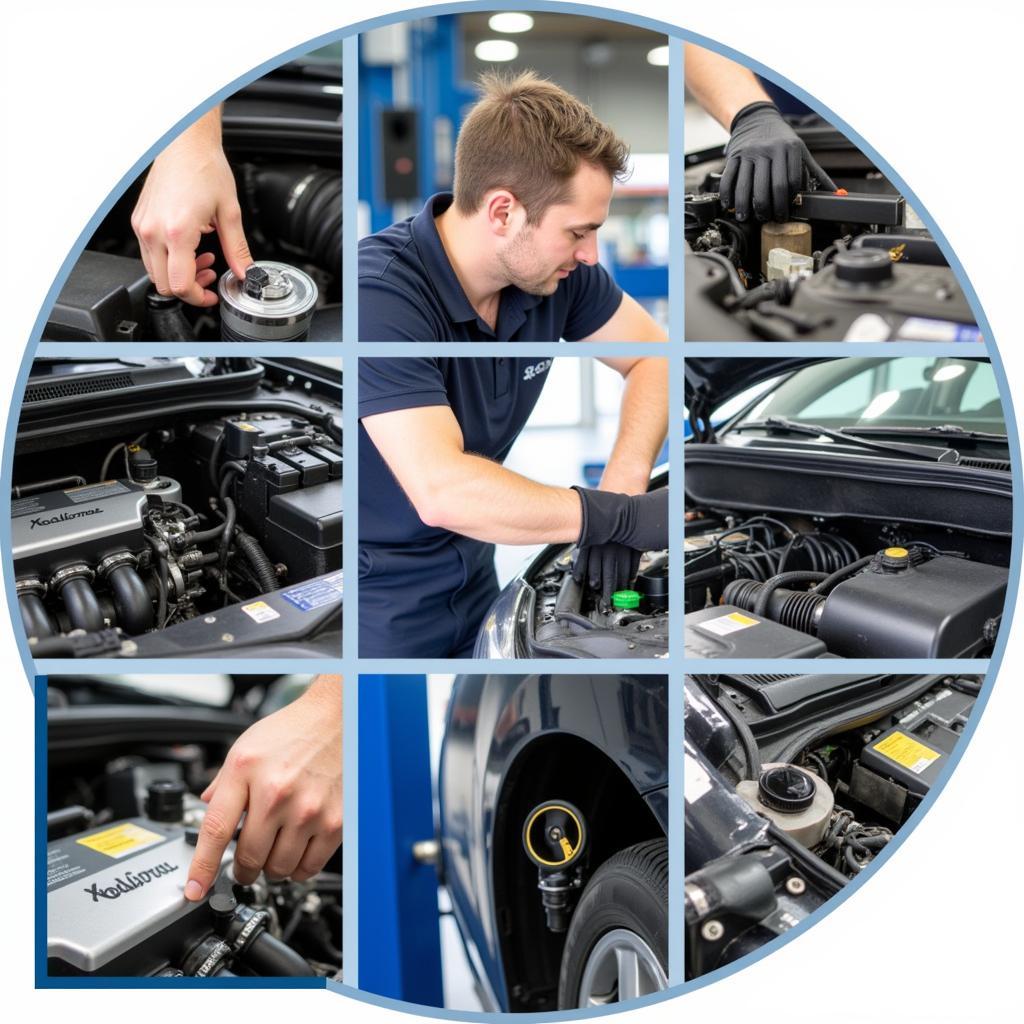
510, 22
658, 56
493, 50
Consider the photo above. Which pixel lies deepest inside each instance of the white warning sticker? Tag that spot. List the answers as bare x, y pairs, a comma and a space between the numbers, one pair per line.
726, 624
260, 611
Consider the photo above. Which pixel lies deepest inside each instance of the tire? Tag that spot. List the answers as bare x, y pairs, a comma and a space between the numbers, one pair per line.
621, 919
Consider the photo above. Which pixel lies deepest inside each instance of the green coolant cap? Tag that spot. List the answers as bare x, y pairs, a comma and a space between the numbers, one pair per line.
626, 599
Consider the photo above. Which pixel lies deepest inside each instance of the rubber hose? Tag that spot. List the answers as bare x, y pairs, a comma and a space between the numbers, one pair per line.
261, 564
131, 600
303, 208
270, 957
82, 605
782, 580
34, 616
826, 585
751, 751
229, 529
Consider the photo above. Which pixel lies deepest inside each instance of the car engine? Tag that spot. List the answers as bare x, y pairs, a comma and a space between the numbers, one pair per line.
282, 136
122, 822
204, 532
806, 587
569, 620
794, 785
854, 265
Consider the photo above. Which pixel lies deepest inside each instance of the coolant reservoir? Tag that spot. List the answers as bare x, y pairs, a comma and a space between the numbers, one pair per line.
782, 263
796, 801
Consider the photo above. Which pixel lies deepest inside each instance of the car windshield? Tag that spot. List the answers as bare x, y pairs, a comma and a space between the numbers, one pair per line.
911, 392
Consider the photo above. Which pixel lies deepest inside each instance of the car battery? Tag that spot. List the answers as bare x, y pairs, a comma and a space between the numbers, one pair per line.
305, 525
726, 631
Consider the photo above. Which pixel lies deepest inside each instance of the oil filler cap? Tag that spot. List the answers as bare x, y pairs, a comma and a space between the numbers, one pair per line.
863, 266
785, 788
626, 599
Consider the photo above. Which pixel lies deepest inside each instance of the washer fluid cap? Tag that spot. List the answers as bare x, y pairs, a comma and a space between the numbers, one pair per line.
626, 599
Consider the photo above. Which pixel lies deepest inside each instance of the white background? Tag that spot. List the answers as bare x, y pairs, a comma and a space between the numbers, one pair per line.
935, 87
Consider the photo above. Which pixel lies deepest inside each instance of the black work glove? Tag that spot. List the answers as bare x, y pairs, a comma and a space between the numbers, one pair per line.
765, 163
617, 529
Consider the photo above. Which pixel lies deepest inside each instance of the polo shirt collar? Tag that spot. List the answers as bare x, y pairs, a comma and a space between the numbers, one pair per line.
513, 304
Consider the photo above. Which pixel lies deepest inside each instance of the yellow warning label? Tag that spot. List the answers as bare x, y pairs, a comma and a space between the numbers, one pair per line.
743, 620
121, 839
907, 751
242, 425
260, 611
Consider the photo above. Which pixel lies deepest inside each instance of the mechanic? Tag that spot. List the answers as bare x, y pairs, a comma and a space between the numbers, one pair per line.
511, 253
284, 775
190, 192
765, 158
434, 497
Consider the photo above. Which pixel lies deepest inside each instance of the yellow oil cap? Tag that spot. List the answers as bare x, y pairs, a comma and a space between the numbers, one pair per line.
897, 552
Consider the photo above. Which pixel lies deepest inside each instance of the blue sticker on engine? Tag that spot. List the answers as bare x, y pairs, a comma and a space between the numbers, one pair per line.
316, 593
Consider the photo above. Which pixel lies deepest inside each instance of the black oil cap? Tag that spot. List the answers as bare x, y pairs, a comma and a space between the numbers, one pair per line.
863, 266
142, 466
223, 904
154, 300
165, 800
256, 279
786, 788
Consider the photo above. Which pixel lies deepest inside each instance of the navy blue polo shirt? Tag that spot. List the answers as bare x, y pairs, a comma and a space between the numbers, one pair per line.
408, 291
491, 400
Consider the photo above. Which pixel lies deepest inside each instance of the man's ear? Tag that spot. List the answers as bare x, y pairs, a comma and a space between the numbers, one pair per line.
503, 211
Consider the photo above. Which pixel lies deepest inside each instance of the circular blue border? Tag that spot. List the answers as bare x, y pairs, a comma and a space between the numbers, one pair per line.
674, 33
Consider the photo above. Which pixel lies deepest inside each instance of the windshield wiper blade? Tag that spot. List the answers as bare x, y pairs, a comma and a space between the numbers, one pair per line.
947, 432
916, 451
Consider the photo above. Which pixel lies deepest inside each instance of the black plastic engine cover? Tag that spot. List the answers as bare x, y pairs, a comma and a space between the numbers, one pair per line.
944, 608
102, 300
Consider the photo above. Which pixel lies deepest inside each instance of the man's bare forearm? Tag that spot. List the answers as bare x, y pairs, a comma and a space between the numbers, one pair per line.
643, 424
479, 498
721, 86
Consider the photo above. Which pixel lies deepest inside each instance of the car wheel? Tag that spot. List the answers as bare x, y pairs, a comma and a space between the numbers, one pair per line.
617, 945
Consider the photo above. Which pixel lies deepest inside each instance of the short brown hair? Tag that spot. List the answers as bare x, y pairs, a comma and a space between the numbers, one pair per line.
529, 135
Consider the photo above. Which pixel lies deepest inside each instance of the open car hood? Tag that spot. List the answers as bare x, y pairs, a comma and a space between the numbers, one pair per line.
715, 380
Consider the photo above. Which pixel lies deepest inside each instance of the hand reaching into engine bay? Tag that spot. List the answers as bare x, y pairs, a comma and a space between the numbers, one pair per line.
284, 775
190, 192
617, 529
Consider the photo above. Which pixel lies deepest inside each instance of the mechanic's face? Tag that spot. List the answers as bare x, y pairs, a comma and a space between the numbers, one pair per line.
540, 255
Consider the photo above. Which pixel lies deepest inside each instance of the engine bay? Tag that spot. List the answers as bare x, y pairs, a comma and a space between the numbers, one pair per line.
794, 785
123, 814
857, 264
282, 136
209, 528
789, 586
569, 619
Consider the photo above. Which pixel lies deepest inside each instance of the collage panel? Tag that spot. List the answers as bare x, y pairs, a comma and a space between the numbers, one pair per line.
794, 232
513, 179
179, 507
513, 508
233, 233
845, 508
794, 785
513, 851
192, 828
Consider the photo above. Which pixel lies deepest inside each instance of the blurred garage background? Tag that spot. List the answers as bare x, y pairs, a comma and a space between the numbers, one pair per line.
417, 80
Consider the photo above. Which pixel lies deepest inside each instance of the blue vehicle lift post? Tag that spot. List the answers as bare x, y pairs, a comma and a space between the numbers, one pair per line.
399, 933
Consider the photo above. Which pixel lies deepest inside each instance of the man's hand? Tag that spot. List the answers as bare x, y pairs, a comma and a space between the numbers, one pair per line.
617, 529
284, 774
189, 192
765, 162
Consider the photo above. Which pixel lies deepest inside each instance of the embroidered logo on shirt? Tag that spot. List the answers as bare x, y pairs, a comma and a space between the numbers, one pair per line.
537, 369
